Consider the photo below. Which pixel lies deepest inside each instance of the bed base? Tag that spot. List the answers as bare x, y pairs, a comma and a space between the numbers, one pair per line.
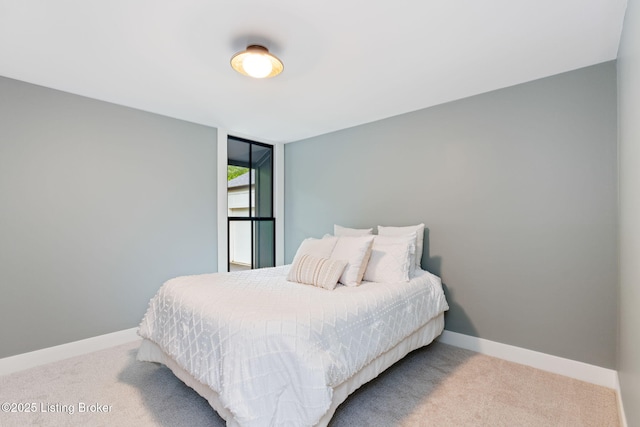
150, 352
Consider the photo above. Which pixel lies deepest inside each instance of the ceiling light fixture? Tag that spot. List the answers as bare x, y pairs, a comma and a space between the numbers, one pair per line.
256, 61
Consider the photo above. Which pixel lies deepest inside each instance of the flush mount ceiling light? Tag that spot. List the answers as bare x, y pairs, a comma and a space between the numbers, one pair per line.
256, 61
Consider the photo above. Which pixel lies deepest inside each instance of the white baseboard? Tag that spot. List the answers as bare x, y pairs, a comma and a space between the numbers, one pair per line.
623, 416
23, 361
546, 362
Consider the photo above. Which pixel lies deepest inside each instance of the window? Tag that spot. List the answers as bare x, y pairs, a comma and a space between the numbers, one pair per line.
250, 220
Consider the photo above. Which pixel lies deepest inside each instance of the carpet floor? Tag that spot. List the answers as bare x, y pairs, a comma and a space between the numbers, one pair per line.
438, 385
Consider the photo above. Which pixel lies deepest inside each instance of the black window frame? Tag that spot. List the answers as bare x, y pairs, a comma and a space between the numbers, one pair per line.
253, 219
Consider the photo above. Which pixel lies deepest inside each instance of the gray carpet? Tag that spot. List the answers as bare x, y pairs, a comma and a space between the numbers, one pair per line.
439, 385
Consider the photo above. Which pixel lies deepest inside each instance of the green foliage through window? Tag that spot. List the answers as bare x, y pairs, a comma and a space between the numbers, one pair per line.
235, 171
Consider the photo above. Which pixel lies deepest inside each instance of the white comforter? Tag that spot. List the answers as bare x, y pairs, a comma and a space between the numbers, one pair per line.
273, 349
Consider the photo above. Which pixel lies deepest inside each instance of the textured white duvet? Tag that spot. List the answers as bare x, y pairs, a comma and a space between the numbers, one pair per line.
273, 349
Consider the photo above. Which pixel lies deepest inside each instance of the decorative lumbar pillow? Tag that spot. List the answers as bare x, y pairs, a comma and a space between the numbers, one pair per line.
391, 259
346, 231
356, 250
321, 248
321, 272
400, 231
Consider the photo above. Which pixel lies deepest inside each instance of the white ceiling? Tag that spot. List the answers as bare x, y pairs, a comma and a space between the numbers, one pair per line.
347, 62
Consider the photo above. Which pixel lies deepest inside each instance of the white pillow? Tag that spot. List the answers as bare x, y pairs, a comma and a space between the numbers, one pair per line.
321, 248
321, 272
391, 259
345, 231
356, 250
399, 231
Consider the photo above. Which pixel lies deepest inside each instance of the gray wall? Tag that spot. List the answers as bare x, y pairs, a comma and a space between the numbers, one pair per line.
629, 140
517, 188
99, 205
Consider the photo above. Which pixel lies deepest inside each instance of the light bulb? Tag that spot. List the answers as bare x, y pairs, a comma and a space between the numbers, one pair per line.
257, 65
256, 62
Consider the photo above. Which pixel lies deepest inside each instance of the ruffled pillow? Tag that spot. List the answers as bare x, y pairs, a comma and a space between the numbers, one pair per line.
321, 248
400, 231
356, 250
338, 230
391, 259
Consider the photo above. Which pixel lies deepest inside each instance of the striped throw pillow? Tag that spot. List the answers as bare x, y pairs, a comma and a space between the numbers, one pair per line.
316, 271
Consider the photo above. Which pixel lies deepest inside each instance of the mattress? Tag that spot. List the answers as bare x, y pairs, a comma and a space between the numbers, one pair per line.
265, 351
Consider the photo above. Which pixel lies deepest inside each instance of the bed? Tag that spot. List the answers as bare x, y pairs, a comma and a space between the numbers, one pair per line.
266, 351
